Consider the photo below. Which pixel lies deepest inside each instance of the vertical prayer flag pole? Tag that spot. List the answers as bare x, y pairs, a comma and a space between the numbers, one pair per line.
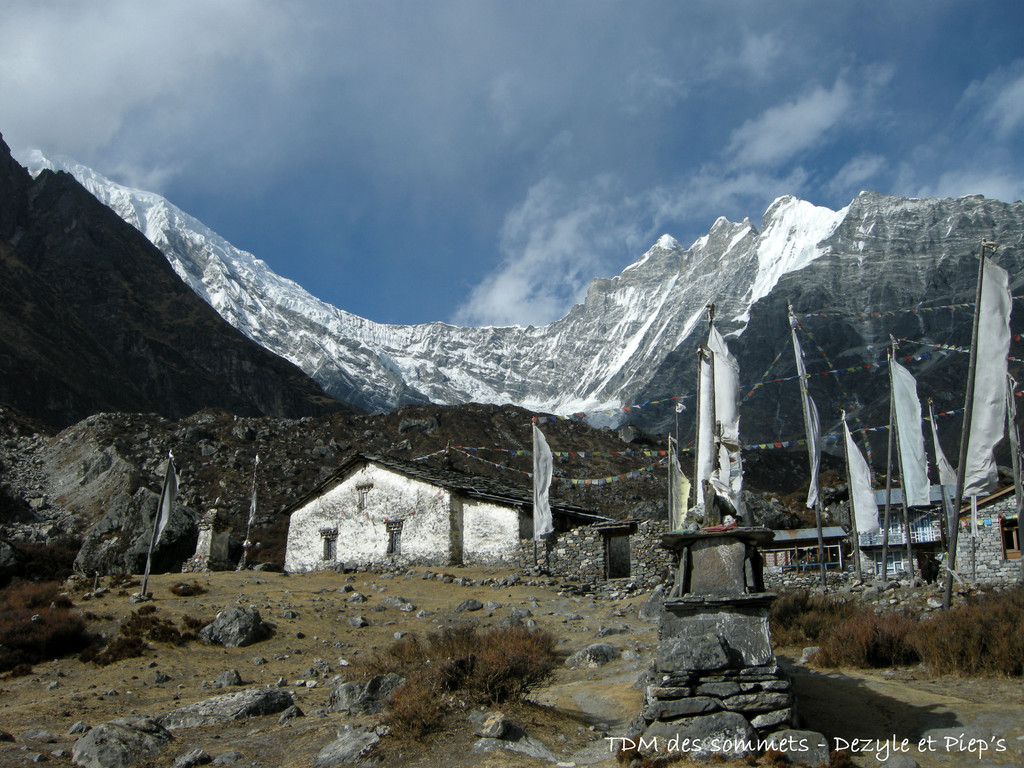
812, 428
853, 505
163, 515
965, 437
252, 515
894, 431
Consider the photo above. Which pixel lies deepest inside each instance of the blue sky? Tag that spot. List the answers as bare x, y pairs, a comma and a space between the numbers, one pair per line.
481, 162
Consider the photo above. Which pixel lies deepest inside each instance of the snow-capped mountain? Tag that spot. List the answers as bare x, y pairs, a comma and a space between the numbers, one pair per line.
632, 338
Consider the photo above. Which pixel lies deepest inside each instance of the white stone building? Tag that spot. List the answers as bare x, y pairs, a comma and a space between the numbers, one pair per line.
377, 510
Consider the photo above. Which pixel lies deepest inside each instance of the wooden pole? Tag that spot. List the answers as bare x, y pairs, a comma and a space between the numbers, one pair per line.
804, 397
888, 483
965, 438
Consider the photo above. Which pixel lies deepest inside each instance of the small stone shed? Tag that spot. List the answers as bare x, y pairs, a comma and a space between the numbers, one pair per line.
376, 510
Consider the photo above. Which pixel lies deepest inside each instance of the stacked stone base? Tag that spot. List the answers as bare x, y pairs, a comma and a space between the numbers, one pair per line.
745, 704
716, 686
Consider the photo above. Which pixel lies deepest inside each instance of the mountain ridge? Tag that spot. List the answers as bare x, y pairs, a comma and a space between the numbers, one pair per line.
631, 339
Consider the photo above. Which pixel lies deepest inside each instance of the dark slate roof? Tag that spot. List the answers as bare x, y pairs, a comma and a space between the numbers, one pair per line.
462, 483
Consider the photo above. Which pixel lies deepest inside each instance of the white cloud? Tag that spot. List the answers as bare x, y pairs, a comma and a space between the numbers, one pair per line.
990, 182
782, 132
999, 99
855, 174
554, 243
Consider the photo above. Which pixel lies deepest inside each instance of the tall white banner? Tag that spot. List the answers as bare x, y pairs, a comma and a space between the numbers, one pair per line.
811, 422
947, 474
678, 488
543, 468
167, 497
913, 461
862, 499
727, 387
705, 447
988, 409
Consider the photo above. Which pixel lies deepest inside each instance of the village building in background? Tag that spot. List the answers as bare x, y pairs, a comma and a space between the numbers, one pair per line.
378, 511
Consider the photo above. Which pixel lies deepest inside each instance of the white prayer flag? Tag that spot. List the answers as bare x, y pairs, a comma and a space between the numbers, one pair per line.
727, 387
252, 502
727, 414
678, 488
167, 497
862, 499
705, 462
947, 474
811, 422
913, 461
543, 468
988, 409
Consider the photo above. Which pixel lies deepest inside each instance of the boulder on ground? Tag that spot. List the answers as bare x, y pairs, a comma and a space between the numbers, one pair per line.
346, 750
363, 698
252, 702
120, 743
596, 655
235, 627
119, 541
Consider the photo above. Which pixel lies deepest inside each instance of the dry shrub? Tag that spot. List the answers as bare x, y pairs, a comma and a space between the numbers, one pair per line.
117, 649
464, 663
983, 637
773, 758
136, 632
417, 708
798, 617
869, 640
50, 561
181, 589
36, 623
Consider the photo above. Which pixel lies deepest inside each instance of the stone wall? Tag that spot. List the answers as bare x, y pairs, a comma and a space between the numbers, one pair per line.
580, 553
992, 567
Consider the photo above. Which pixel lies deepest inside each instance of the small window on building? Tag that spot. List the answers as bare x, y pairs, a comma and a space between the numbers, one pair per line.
394, 529
330, 548
1010, 530
361, 491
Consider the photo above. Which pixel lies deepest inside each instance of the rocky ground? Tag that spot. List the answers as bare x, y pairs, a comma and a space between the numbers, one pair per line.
567, 722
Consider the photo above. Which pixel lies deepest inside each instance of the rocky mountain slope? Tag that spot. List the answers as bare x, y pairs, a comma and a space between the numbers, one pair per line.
92, 318
110, 466
854, 275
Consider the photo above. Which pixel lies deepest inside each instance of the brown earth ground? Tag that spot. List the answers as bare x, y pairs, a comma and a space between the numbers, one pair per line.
572, 714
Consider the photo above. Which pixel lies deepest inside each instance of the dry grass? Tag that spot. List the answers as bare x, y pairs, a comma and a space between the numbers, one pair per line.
136, 632
981, 638
460, 665
36, 624
799, 617
869, 640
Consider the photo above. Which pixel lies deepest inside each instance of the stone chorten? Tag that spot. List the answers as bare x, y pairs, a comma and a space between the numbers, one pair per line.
715, 686
212, 547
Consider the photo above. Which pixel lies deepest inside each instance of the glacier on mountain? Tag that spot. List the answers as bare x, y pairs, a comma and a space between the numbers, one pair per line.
626, 343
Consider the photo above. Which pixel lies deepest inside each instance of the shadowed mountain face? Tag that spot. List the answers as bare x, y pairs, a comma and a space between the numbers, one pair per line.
92, 318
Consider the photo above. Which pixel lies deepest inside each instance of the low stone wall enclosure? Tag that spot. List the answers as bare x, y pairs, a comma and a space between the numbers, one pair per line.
594, 553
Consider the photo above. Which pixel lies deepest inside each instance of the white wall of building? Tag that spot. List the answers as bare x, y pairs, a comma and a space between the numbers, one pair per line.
362, 532
490, 531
